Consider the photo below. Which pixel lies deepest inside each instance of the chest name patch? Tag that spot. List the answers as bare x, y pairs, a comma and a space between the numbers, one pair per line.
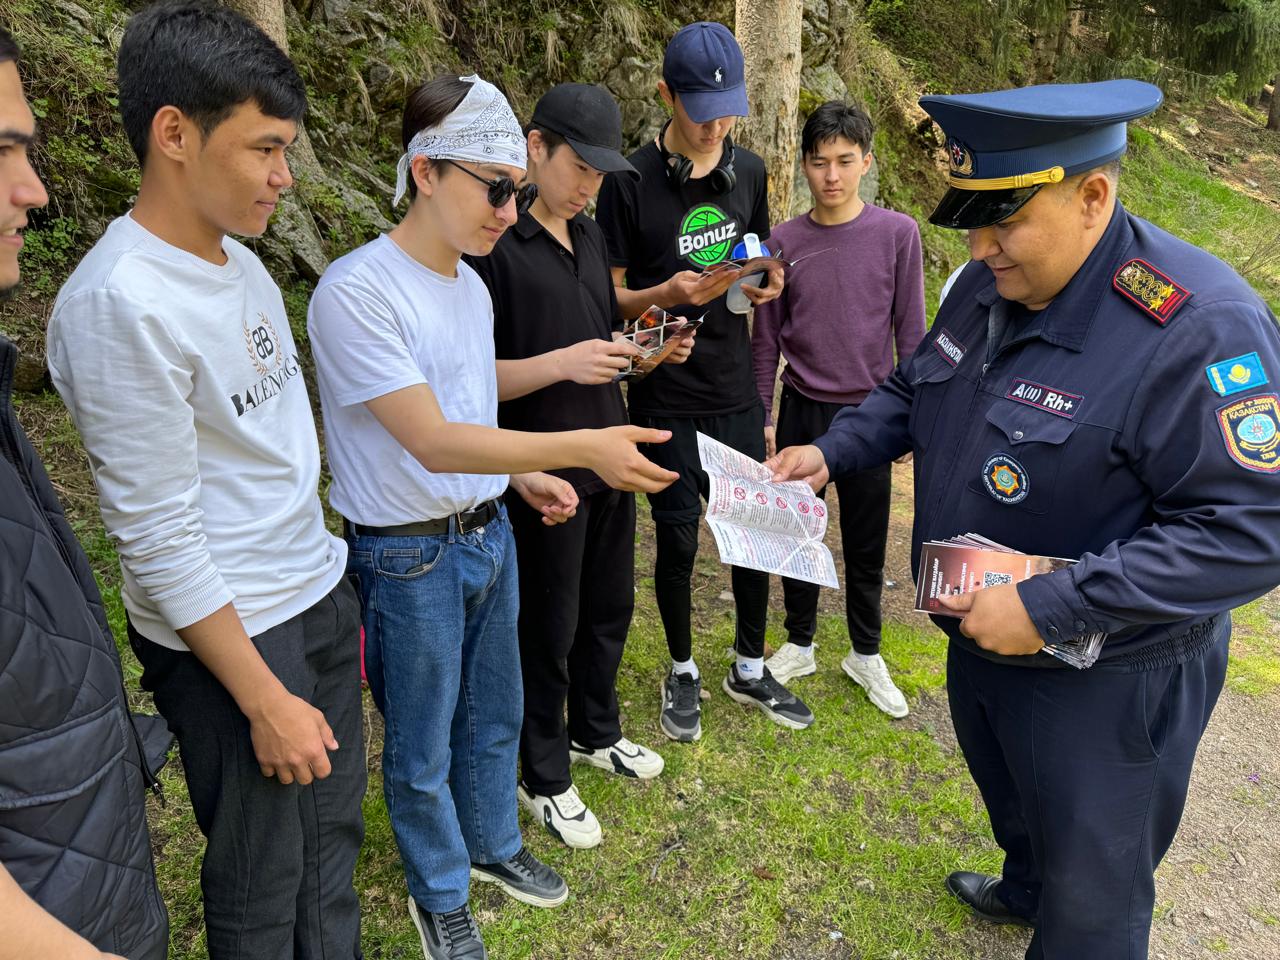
1060, 403
952, 350
1150, 290
1239, 373
1251, 431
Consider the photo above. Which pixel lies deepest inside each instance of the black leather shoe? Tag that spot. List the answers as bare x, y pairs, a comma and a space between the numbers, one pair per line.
978, 892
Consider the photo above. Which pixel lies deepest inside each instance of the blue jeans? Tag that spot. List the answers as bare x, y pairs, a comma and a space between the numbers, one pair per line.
443, 661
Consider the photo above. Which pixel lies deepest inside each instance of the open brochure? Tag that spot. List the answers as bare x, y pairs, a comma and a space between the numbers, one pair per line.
656, 333
774, 527
972, 562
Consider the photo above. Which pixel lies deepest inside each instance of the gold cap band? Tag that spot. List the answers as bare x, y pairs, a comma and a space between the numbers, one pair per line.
1052, 175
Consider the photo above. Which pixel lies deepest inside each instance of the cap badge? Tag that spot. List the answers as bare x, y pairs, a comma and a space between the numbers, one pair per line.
719, 75
961, 158
1150, 290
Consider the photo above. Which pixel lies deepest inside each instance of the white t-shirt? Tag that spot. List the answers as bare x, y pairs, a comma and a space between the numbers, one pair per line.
183, 380
380, 321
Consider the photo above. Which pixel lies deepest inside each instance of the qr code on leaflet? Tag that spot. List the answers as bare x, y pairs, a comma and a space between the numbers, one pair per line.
992, 579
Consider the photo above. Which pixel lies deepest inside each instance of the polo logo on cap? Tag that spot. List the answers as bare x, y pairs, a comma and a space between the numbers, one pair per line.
961, 158
1151, 291
719, 75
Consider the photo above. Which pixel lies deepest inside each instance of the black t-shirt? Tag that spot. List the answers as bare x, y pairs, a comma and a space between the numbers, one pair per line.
655, 229
544, 298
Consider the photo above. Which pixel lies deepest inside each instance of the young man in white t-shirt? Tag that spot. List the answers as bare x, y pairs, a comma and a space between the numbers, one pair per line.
171, 348
403, 338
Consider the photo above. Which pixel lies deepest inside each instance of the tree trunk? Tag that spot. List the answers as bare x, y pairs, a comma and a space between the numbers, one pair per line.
769, 32
1273, 117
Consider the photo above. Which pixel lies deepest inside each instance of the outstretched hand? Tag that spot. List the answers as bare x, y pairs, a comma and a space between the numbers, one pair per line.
620, 464
800, 463
552, 497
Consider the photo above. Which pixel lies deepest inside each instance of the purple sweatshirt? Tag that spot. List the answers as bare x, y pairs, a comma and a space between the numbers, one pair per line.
842, 312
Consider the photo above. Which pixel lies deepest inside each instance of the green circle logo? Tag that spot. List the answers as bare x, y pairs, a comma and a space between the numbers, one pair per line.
706, 235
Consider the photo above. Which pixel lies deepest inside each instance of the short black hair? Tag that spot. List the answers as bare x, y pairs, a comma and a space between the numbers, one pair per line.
8, 47
206, 60
427, 106
835, 118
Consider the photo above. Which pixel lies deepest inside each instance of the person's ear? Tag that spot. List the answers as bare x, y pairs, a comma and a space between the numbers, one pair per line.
1094, 195
424, 174
866, 163
174, 135
537, 146
668, 97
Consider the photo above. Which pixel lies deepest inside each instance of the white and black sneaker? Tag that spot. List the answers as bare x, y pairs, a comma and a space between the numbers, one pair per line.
774, 700
564, 815
682, 707
624, 758
526, 878
448, 936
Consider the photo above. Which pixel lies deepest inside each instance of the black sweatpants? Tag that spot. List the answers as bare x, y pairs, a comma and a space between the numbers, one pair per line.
1084, 774
277, 873
577, 591
676, 511
864, 531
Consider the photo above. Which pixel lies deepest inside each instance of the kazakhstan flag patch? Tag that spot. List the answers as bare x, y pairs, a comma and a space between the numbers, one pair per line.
1239, 373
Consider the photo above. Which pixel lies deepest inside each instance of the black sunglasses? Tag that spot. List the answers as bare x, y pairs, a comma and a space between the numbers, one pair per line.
501, 189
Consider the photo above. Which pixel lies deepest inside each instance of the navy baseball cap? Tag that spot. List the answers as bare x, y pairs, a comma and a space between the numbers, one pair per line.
1002, 147
703, 66
588, 118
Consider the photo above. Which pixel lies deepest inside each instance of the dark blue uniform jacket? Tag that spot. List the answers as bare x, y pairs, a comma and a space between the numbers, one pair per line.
1108, 429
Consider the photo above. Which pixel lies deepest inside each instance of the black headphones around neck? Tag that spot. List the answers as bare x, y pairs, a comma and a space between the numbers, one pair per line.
680, 168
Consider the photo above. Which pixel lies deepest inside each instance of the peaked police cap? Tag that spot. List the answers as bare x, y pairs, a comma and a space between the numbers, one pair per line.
1003, 146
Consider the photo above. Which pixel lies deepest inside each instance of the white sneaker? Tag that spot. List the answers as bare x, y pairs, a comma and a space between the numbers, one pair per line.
873, 676
792, 661
565, 816
624, 757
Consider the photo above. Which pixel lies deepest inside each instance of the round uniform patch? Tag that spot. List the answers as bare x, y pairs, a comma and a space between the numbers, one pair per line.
1005, 479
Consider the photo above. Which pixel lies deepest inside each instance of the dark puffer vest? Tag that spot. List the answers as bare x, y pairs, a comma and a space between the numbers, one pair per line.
73, 773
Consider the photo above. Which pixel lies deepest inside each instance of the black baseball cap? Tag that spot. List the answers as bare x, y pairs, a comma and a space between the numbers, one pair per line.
703, 66
589, 120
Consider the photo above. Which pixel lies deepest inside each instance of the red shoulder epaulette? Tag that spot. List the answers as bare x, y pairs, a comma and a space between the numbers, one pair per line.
1150, 290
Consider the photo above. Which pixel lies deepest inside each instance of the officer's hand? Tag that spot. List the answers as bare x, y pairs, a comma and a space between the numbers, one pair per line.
770, 440
996, 620
771, 291
800, 463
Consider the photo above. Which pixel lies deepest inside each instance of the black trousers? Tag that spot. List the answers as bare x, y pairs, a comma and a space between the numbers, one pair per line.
1084, 774
864, 531
676, 511
577, 591
277, 873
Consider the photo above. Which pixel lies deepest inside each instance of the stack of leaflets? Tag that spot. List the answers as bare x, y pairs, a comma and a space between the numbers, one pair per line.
657, 333
972, 562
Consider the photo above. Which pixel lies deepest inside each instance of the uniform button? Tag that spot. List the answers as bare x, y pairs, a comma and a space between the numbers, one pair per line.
1079, 625
1017, 434
1053, 631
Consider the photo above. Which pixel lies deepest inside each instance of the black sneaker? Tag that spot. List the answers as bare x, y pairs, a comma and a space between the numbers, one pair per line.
682, 707
448, 936
526, 878
776, 702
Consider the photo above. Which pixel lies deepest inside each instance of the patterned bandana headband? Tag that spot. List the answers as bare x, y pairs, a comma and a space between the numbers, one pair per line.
481, 129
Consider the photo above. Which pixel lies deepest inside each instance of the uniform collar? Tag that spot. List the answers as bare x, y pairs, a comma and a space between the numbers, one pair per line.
1067, 320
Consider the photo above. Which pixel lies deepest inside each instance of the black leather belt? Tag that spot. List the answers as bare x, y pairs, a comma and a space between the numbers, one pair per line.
463, 522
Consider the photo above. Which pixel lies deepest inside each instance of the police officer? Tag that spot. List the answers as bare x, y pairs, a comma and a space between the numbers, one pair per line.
1092, 388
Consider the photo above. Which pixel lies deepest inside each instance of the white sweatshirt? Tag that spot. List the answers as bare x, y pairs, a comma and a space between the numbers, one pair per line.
183, 380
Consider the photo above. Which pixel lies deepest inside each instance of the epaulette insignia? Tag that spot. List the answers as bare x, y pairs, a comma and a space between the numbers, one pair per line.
1150, 290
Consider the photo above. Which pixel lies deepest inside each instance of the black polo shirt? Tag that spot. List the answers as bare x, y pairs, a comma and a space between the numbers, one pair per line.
656, 228
546, 297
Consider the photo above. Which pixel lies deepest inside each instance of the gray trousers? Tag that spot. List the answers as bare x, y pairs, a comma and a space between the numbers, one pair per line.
277, 873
